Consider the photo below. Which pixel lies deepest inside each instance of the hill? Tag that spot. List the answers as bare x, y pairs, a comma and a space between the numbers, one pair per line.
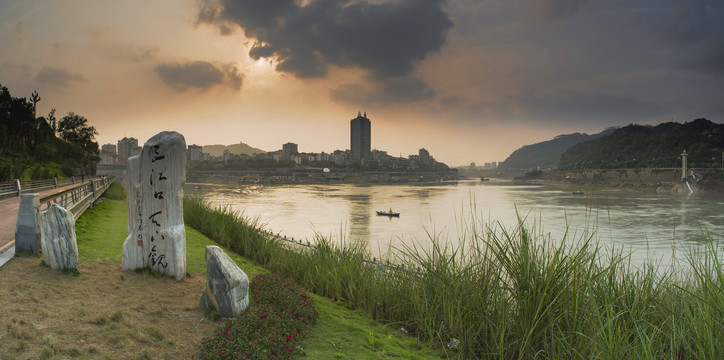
637, 146
240, 148
546, 154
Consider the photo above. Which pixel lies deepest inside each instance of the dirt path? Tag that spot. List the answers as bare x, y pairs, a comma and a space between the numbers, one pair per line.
104, 313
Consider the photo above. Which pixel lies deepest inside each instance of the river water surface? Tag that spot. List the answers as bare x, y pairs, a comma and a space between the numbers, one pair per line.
658, 227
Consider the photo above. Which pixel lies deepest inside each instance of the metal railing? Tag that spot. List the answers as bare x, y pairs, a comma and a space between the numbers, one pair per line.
78, 198
17, 187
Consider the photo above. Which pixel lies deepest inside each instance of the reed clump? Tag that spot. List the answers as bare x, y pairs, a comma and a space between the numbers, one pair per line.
505, 293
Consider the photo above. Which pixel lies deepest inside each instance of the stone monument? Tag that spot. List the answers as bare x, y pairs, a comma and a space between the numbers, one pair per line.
227, 286
27, 230
58, 241
154, 179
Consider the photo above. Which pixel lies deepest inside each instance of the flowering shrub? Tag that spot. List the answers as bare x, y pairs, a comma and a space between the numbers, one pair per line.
270, 326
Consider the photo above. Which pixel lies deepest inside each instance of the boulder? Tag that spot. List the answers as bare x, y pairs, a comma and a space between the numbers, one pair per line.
157, 237
227, 286
58, 241
27, 230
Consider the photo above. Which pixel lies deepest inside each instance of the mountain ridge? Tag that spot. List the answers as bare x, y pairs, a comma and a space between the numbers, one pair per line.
237, 149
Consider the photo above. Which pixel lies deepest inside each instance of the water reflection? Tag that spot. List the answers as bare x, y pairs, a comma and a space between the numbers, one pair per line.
653, 225
359, 200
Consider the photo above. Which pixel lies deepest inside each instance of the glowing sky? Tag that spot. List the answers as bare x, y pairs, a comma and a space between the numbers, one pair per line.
469, 80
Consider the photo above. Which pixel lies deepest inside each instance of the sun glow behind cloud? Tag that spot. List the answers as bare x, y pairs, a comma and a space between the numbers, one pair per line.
503, 75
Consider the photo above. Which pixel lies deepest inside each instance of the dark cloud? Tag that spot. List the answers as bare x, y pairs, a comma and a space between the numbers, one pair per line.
709, 59
450, 101
567, 108
384, 91
552, 10
58, 77
585, 107
697, 26
686, 23
199, 74
385, 38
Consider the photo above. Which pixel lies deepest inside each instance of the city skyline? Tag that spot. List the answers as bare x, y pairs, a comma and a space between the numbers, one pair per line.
469, 80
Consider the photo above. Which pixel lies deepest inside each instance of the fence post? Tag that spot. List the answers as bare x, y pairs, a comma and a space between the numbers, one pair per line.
27, 228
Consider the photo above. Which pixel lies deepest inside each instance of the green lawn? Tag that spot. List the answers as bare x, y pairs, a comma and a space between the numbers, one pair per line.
341, 333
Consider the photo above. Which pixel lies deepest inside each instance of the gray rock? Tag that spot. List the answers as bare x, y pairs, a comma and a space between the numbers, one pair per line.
27, 230
227, 286
157, 237
133, 253
58, 241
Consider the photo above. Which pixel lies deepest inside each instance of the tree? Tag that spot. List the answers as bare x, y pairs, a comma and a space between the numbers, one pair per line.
75, 129
51, 121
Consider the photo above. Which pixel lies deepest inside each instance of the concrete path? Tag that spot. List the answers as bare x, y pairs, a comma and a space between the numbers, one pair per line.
8, 215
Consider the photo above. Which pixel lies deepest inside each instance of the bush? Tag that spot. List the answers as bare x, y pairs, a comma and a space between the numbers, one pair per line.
269, 328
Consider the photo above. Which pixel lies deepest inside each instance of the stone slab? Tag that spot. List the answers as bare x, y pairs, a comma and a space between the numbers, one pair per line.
27, 229
227, 286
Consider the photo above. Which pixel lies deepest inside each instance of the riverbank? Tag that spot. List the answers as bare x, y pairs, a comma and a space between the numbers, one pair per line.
107, 313
286, 176
507, 293
709, 181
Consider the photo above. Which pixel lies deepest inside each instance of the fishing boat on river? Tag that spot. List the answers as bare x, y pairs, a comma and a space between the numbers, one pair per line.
388, 213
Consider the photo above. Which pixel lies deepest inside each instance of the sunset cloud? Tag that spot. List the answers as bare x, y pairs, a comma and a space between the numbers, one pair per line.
198, 74
58, 77
386, 39
470, 80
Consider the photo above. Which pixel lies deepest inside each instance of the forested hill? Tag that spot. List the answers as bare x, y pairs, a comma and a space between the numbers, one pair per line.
637, 146
546, 154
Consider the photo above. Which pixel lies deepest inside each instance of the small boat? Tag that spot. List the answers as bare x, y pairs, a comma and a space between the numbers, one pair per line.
577, 193
388, 213
484, 179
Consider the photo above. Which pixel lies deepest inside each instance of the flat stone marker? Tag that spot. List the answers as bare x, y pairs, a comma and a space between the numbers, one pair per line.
58, 241
227, 286
157, 237
27, 229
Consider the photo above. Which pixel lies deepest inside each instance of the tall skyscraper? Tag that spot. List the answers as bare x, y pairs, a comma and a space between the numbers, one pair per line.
126, 147
360, 136
289, 149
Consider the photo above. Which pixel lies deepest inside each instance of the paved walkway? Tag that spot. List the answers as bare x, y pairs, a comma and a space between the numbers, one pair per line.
8, 215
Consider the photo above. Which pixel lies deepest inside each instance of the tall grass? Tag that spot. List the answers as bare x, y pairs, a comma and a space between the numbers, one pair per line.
506, 293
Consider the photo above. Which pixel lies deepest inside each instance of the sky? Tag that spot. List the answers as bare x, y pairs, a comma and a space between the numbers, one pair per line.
469, 80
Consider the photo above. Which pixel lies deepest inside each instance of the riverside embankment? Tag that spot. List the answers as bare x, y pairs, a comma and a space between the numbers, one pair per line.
506, 294
660, 179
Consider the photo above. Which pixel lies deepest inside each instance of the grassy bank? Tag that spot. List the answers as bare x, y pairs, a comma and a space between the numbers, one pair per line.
107, 313
506, 294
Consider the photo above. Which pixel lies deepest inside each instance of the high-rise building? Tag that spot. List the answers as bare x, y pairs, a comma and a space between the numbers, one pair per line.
424, 157
288, 150
127, 147
193, 153
108, 150
360, 135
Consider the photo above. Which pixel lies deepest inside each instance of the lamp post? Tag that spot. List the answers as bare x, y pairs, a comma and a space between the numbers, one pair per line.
683, 165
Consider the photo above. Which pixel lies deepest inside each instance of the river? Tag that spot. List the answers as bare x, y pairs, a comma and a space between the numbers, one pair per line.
655, 227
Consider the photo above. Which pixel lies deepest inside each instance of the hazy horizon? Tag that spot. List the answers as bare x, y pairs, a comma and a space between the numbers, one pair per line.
469, 80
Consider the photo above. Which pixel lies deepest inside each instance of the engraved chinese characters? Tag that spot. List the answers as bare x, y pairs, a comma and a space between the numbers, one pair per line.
154, 180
